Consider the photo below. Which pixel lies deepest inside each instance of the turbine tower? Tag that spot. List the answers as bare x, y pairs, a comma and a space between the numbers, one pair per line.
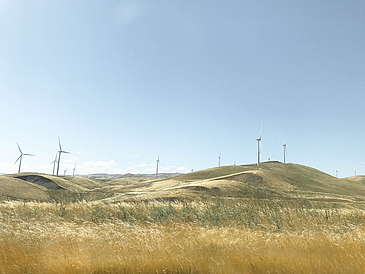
285, 152
157, 162
21, 157
219, 160
73, 171
337, 170
59, 155
258, 148
355, 170
54, 164
64, 173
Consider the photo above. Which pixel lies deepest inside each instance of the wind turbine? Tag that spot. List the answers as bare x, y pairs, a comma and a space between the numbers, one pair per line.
59, 155
73, 171
64, 173
258, 148
355, 170
219, 160
337, 170
21, 157
157, 161
285, 151
54, 163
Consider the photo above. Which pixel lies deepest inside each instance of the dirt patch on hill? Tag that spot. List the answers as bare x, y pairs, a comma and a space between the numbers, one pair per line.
40, 180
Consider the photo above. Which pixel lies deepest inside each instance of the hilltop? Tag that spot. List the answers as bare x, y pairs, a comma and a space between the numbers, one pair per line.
270, 180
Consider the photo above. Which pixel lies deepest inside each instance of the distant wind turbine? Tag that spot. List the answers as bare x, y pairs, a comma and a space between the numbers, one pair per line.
64, 173
258, 148
219, 160
21, 157
285, 151
337, 170
157, 162
73, 171
59, 155
54, 164
355, 170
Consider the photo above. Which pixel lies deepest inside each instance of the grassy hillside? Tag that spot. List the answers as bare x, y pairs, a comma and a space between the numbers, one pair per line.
83, 182
270, 180
293, 177
358, 178
61, 182
12, 188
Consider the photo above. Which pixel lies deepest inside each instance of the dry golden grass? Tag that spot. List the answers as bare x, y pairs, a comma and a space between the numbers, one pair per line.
222, 236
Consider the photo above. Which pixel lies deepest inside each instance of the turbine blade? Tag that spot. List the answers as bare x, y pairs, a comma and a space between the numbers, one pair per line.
59, 143
29, 154
262, 148
19, 148
261, 130
65, 152
18, 158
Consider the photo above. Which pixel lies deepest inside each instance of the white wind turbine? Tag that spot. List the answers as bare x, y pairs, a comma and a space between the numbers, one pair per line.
355, 170
21, 157
64, 173
219, 160
157, 163
54, 164
73, 171
337, 170
258, 148
59, 155
285, 150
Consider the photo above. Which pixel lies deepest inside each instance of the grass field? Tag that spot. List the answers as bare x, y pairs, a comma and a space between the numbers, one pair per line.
279, 218
214, 236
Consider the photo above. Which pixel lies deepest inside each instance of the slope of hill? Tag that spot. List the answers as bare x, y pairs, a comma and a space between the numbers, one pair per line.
271, 179
127, 175
358, 178
50, 182
83, 182
13, 188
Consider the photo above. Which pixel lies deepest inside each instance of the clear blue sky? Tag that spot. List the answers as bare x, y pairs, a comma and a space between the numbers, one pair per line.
121, 82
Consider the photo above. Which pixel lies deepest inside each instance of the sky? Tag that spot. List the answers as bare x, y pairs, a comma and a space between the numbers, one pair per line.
124, 82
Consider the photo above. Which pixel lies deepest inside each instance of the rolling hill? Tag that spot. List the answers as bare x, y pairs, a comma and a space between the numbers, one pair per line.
271, 180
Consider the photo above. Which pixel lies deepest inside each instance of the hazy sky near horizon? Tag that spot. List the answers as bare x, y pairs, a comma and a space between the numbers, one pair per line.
121, 82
